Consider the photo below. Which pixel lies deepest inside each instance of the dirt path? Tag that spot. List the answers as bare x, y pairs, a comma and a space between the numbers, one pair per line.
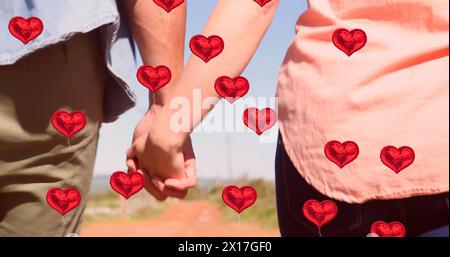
184, 218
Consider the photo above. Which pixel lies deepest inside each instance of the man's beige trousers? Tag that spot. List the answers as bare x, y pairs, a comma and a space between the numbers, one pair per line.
34, 157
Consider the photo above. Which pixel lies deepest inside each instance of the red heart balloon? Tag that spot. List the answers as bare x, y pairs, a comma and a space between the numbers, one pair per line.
259, 120
63, 200
239, 198
206, 47
25, 29
393, 229
262, 2
154, 78
397, 159
168, 5
231, 89
67, 123
349, 41
341, 153
126, 184
320, 213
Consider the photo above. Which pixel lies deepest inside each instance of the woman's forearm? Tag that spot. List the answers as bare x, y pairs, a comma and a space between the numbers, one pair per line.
241, 25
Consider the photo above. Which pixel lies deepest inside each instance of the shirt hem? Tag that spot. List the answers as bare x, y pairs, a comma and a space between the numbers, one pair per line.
111, 20
350, 199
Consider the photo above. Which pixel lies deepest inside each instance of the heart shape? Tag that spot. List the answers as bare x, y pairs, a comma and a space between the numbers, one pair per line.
341, 153
349, 41
259, 120
206, 47
262, 2
67, 123
153, 78
320, 213
397, 159
239, 198
168, 5
126, 184
63, 200
393, 229
25, 29
231, 89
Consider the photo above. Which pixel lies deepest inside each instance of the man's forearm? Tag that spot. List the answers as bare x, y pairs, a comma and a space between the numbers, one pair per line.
160, 36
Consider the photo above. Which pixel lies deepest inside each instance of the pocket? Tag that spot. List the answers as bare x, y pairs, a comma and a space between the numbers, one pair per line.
296, 191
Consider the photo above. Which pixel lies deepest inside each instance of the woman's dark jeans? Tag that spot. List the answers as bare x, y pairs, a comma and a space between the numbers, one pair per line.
427, 215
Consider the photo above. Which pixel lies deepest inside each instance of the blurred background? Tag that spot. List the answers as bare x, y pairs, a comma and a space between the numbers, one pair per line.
223, 158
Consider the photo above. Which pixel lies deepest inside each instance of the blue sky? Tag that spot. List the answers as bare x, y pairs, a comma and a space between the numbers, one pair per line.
247, 154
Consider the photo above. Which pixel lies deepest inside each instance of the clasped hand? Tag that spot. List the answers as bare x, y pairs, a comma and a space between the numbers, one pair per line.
164, 157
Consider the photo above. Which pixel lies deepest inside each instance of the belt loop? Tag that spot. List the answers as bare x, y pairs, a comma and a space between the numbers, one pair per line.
402, 210
65, 53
